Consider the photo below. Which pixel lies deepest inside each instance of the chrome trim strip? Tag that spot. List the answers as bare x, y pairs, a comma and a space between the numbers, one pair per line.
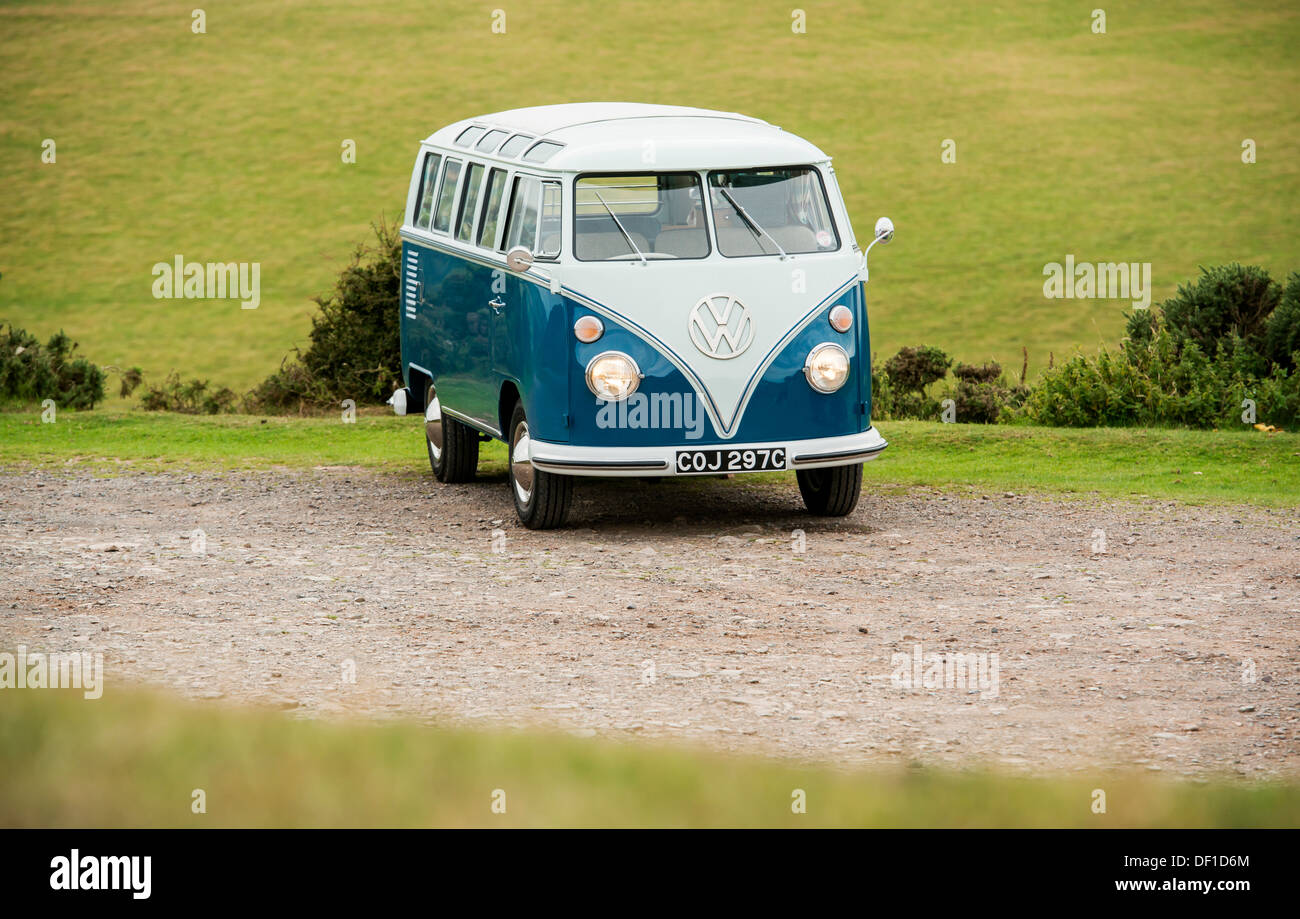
473, 423
594, 465
446, 247
804, 459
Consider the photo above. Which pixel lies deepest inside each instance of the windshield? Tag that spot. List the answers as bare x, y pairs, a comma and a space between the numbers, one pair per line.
771, 212
639, 217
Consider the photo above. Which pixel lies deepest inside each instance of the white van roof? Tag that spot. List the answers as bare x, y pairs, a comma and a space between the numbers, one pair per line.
613, 136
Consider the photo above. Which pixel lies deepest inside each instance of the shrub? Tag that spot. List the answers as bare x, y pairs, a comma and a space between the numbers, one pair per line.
982, 395
32, 373
355, 344
984, 373
1231, 335
193, 397
1225, 302
898, 389
913, 369
1161, 383
1282, 334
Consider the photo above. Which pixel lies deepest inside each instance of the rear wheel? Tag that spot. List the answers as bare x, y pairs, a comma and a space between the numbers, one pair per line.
541, 498
453, 447
831, 492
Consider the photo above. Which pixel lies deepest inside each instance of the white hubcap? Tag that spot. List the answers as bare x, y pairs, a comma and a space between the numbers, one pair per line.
521, 465
433, 427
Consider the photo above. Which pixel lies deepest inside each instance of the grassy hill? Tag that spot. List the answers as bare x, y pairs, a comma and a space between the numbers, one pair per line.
226, 146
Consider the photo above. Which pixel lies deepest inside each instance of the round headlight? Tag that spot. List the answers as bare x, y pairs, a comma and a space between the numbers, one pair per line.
588, 329
613, 375
827, 367
841, 318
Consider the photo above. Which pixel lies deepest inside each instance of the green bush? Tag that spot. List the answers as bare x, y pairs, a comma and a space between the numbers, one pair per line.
1282, 334
913, 369
898, 389
30, 372
982, 395
1226, 302
355, 350
1193, 361
193, 397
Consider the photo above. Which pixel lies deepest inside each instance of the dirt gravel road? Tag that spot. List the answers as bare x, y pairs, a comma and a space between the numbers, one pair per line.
711, 612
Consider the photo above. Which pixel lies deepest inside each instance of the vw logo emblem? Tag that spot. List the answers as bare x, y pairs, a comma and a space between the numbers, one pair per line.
721, 326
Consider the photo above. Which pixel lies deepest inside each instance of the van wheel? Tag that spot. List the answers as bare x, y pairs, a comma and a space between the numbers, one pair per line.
541, 498
831, 492
453, 447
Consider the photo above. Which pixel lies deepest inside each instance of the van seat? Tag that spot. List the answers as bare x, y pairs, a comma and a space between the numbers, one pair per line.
794, 238
683, 242
740, 241
595, 247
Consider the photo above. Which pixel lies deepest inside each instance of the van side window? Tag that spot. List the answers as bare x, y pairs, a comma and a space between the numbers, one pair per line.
469, 202
551, 223
535, 217
427, 183
487, 225
446, 196
521, 225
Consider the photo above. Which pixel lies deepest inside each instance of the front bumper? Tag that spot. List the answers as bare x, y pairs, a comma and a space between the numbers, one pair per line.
639, 462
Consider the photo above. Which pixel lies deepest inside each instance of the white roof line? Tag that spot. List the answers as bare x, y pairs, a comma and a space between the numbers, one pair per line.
602, 136
723, 116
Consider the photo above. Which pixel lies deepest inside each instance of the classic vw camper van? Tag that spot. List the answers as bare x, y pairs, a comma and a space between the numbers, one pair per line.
618, 289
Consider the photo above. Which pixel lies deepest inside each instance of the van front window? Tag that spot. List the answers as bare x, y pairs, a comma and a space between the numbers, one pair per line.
771, 212
631, 217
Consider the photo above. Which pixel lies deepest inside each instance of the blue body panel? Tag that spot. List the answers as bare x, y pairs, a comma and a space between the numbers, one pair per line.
473, 350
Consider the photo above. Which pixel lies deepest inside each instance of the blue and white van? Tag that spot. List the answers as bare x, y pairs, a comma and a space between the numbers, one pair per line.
617, 289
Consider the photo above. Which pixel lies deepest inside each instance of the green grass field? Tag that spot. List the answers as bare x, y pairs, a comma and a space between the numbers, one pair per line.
1191, 466
226, 146
134, 759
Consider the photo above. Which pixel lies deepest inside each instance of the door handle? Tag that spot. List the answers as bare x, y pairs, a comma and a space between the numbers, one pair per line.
497, 304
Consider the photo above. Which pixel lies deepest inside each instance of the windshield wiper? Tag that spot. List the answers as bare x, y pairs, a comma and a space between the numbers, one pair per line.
753, 226
618, 223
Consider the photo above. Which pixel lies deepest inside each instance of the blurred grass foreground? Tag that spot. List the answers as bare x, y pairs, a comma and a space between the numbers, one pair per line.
142, 759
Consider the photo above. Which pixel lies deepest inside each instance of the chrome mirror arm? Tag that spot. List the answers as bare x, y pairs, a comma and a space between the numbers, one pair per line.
884, 233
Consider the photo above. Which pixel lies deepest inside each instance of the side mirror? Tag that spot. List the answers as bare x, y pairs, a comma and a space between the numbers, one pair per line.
884, 233
519, 259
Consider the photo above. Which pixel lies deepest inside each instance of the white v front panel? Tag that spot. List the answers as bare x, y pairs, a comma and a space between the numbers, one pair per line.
721, 323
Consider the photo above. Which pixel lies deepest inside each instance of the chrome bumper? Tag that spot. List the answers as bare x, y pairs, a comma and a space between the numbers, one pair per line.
567, 459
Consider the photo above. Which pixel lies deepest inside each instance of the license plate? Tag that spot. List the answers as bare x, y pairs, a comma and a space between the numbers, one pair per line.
706, 462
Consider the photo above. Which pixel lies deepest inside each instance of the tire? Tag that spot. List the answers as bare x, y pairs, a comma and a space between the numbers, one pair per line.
456, 460
541, 498
831, 492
